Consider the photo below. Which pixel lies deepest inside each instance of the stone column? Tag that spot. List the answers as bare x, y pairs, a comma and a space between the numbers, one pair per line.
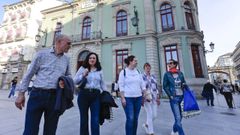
152, 55
149, 16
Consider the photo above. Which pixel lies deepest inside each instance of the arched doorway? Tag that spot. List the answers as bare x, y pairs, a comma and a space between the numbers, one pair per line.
81, 57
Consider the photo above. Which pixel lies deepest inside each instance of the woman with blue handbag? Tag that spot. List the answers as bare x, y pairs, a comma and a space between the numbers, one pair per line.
173, 82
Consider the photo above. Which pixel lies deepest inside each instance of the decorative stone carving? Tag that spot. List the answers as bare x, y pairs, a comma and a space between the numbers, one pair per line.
195, 41
169, 41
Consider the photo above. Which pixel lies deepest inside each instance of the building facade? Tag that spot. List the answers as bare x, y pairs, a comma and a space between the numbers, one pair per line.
17, 37
236, 61
223, 69
152, 30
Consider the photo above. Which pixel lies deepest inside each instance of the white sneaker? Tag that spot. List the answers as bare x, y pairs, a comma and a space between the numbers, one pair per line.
145, 127
174, 133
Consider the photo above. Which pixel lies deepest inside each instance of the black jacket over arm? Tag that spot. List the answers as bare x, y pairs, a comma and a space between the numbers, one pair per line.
64, 96
106, 103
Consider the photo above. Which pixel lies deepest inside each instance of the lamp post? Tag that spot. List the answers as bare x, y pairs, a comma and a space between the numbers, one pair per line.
135, 20
38, 36
211, 47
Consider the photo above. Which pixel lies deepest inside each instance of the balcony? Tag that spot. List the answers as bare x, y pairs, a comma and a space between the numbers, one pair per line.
97, 35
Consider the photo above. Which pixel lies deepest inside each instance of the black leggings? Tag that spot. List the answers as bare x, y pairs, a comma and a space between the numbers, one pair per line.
229, 99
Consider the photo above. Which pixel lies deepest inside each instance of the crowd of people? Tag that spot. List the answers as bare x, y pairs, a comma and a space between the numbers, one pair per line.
224, 88
53, 84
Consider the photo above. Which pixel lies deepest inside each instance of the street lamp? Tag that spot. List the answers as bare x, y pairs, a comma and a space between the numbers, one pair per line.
38, 36
135, 20
211, 47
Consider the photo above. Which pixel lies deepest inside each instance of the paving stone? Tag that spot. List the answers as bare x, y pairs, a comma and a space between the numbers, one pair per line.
217, 120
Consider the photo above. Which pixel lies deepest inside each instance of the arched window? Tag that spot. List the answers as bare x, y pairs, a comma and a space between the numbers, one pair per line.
196, 61
86, 28
166, 17
189, 16
121, 22
81, 57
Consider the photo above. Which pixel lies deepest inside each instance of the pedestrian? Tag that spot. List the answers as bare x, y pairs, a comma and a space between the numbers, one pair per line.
47, 66
150, 105
237, 88
89, 96
13, 87
233, 88
115, 89
208, 92
226, 89
131, 87
173, 83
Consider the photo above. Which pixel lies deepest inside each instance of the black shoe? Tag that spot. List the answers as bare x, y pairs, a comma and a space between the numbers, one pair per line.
212, 104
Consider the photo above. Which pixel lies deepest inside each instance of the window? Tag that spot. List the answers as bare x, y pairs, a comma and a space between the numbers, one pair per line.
57, 31
196, 61
81, 57
166, 17
86, 28
9, 35
121, 23
120, 56
13, 17
18, 32
189, 16
170, 53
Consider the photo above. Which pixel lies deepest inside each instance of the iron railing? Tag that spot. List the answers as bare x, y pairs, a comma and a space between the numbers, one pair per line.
87, 37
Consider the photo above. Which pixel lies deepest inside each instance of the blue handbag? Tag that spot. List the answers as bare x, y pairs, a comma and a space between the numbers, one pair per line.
190, 102
190, 106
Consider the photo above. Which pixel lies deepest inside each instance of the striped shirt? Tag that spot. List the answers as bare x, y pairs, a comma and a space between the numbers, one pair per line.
94, 79
151, 84
47, 68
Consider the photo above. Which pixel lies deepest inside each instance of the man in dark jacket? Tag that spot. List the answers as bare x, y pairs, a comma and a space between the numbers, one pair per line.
208, 92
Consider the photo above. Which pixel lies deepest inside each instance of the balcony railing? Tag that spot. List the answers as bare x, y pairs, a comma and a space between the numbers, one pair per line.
87, 37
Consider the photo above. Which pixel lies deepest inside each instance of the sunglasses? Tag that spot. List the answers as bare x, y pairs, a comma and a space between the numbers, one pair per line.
69, 43
171, 63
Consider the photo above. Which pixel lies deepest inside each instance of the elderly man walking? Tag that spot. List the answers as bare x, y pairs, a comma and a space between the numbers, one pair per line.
47, 66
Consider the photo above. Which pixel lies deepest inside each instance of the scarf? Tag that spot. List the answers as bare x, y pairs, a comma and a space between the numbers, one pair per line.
173, 70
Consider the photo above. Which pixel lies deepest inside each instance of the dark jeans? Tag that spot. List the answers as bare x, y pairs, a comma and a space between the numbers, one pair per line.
39, 102
229, 99
89, 99
12, 91
132, 109
177, 113
211, 98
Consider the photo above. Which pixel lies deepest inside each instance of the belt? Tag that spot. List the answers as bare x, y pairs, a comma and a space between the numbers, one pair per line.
92, 89
43, 90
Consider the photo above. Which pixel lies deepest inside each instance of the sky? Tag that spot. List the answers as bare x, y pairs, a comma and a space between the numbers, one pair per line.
219, 20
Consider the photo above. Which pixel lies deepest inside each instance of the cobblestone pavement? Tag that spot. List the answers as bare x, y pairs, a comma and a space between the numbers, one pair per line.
217, 120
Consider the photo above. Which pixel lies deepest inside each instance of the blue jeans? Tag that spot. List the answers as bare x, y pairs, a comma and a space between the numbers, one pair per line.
89, 99
12, 91
177, 113
39, 102
132, 109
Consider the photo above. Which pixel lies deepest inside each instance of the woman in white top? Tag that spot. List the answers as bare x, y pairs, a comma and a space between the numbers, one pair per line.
150, 105
131, 86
